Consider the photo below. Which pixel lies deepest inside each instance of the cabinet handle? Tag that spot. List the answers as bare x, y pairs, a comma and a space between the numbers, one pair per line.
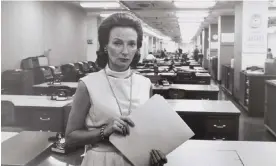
214, 138
219, 127
47, 119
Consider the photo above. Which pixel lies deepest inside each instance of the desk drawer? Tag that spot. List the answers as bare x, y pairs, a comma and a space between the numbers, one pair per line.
219, 125
48, 120
202, 95
220, 136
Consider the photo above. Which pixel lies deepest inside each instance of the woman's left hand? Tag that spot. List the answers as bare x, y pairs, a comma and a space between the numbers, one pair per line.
157, 158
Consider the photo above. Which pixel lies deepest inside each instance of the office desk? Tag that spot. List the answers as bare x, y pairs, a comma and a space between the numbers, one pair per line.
38, 112
209, 119
26, 148
190, 153
192, 91
223, 153
44, 87
7, 135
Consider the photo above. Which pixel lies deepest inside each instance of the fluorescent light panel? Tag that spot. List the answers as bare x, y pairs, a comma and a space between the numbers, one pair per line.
272, 13
100, 4
202, 4
147, 30
104, 15
191, 14
188, 30
190, 20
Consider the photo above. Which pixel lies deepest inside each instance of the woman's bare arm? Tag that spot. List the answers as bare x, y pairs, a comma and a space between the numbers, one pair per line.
76, 133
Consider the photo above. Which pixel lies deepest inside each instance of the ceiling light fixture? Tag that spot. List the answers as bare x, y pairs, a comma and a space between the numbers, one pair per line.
104, 15
191, 20
272, 13
191, 14
151, 32
199, 4
100, 4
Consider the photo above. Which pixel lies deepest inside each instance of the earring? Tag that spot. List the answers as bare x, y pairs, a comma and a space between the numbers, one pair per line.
105, 50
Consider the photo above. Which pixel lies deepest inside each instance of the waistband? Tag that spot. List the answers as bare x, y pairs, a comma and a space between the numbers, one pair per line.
102, 147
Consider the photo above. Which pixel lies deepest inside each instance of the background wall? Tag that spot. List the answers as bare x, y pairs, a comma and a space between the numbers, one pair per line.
30, 28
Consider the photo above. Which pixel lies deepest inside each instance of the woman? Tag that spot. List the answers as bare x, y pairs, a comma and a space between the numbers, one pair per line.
104, 99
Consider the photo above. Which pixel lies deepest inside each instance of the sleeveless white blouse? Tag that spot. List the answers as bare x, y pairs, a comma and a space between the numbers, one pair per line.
104, 106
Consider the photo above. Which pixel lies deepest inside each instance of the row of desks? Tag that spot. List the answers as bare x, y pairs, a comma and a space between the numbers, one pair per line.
34, 150
193, 91
203, 116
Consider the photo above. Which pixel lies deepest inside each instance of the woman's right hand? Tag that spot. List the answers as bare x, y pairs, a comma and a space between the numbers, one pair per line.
119, 125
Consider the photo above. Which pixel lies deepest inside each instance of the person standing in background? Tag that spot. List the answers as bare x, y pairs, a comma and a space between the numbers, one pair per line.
200, 56
269, 54
196, 51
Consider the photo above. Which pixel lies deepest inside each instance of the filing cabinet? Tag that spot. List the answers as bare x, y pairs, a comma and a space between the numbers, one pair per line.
44, 119
270, 106
252, 92
221, 128
212, 127
41, 118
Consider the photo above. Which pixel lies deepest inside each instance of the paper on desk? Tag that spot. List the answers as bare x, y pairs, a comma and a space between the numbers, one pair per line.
157, 126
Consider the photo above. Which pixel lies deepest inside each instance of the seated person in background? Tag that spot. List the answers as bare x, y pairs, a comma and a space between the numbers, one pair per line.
269, 54
150, 56
200, 58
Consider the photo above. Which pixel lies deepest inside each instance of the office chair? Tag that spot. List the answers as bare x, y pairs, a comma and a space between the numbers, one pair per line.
79, 69
69, 73
42, 74
7, 113
176, 94
48, 75
154, 79
92, 66
85, 67
57, 74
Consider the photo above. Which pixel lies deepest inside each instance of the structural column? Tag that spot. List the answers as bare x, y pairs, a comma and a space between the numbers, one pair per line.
250, 37
225, 41
205, 46
150, 49
213, 49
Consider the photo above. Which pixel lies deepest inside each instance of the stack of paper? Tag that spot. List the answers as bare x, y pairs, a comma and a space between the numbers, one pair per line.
157, 126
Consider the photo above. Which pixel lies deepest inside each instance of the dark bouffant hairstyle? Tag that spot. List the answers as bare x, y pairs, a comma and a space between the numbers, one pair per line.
118, 20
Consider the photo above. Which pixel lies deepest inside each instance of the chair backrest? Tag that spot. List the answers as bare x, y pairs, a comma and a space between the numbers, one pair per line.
48, 75
38, 73
176, 94
69, 73
85, 67
155, 78
7, 113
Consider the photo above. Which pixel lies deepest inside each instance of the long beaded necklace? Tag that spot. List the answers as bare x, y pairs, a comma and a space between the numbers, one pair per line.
130, 102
